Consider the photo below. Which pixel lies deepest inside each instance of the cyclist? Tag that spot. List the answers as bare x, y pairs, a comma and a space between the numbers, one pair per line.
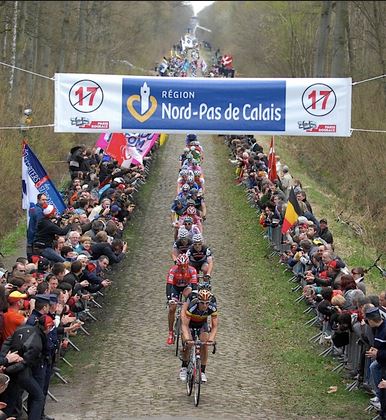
199, 180
177, 210
189, 139
183, 195
190, 227
194, 317
181, 245
192, 184
199, 202
192, 213
200, 256
183, 155
182, 179
195, 153
181, 279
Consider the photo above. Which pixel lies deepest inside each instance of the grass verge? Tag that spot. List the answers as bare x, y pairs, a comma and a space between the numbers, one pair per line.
11, 242
301, 378
355, 250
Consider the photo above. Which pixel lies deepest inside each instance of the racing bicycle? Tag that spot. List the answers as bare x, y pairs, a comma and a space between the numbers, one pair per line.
177, 322
193, 379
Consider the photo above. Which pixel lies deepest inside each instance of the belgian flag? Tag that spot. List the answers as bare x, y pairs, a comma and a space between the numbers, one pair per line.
292, 212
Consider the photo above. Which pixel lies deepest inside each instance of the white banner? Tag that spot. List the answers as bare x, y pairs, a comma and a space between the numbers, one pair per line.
89, 103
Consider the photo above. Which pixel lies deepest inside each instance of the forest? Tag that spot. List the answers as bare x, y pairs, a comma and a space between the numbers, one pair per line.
321, 39
265, 38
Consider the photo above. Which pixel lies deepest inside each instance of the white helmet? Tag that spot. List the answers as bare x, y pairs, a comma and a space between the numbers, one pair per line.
183, 234
197, 238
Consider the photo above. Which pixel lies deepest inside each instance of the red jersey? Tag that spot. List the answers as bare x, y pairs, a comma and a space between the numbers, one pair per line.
182, 278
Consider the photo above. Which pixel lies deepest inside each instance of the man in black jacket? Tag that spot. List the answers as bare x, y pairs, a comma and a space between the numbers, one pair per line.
30, 343
46, 231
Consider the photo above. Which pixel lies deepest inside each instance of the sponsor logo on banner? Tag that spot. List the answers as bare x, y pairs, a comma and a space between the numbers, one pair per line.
323, 128
85, 123
147, 104
306, 125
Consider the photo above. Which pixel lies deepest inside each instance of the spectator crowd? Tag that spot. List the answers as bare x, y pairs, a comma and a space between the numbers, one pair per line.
351, 322
47, 296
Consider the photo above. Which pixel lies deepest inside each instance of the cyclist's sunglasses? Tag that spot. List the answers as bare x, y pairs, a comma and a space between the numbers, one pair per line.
188, 223
204, 302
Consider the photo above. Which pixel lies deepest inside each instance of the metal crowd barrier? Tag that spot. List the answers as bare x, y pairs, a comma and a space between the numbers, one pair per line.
352, 356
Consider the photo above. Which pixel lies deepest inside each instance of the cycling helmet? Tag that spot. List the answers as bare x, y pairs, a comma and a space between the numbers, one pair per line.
190, 178
194, 191
183, 234
192, 148
185, 187
205, 295
197, 173
197, 238
188, 219
182, 259
191, 137
205, 286
191, 210
183, 172
186, 149
189, 156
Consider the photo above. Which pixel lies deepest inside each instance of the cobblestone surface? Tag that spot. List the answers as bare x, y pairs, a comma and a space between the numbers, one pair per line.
132, 372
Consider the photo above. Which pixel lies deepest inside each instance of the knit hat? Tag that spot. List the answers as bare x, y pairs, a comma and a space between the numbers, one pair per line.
49, 210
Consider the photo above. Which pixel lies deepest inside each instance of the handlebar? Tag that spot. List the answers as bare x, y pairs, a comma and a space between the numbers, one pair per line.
201, 343
174, 302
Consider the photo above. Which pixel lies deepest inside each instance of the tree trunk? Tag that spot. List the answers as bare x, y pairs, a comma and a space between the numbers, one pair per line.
324, 31
13, 48
64, 39
380, 40
338, 65
81, 41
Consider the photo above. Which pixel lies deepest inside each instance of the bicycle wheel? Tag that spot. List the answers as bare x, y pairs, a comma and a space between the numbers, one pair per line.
189, 381
177, 331
197, 382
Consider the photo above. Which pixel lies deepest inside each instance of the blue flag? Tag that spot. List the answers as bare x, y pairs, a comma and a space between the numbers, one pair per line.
35, 180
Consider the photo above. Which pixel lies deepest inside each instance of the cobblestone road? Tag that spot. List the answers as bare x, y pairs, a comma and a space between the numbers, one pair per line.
132, 372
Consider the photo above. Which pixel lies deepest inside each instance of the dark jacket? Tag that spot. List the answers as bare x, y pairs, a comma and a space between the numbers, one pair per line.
29, 342
104, 248
35, 214
326, 235
46, 231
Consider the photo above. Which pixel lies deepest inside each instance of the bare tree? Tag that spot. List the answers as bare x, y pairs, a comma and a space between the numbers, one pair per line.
339, 49
324, 32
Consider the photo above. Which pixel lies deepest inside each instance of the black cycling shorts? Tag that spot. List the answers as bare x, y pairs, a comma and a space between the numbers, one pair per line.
198, 329
176, 291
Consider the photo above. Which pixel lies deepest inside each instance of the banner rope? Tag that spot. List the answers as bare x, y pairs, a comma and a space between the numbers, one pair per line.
367, 130
27, 71
26, 127
368, 80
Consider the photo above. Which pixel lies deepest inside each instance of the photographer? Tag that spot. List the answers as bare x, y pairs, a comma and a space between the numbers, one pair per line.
114, 252
100, 211
46, 232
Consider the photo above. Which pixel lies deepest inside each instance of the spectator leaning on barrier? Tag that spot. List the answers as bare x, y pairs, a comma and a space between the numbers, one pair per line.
324, 232
378, 352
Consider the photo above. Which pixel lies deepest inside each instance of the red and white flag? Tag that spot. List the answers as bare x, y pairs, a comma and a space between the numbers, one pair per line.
227, 61
272, 172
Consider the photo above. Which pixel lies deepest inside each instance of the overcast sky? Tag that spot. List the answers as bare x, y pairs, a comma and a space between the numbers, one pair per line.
199, 5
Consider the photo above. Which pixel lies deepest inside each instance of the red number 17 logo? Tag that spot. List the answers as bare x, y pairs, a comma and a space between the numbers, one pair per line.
319, 99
